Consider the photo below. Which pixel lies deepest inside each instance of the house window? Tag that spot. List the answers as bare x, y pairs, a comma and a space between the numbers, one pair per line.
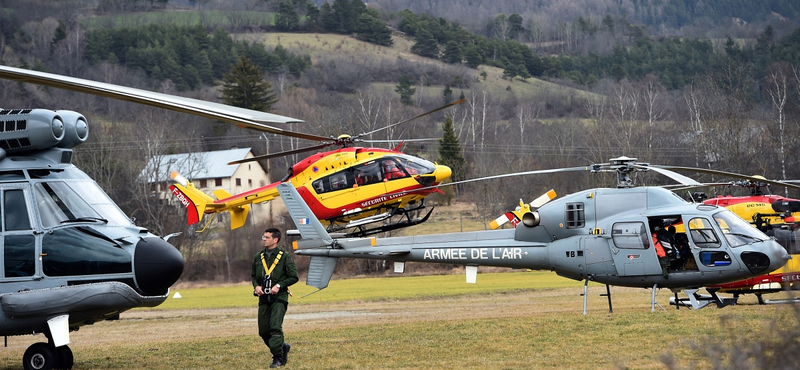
217, 182
575, 216
203, 183
250, 182
238, 182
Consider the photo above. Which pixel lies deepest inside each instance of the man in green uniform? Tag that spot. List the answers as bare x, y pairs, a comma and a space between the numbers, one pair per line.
272, 274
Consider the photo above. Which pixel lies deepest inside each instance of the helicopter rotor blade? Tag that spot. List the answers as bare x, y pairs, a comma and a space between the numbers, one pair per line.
281, 154
413, 118
673, 175
242, 117
788, 184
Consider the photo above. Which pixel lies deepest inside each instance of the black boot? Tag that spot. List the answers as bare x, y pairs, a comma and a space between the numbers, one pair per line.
276, 362
285, 358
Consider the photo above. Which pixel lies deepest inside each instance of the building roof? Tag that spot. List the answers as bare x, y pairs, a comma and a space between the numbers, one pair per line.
197, 165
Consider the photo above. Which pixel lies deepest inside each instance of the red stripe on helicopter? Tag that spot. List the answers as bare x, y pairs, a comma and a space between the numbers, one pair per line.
191, 214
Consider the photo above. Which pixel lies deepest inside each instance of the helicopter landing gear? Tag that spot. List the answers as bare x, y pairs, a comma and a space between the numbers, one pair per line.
46, 356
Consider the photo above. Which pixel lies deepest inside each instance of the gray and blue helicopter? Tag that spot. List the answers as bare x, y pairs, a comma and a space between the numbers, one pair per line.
606, 235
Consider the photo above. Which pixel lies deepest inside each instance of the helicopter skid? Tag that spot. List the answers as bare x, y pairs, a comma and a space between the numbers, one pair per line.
107, 296
360, 224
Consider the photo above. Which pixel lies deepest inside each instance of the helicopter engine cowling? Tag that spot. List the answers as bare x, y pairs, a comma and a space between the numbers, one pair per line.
23, 130
76, 130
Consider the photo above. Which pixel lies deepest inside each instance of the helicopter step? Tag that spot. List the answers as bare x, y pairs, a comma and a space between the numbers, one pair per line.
697, 301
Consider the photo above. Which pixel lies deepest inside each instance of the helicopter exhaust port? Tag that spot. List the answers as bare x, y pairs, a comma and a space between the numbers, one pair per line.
531, 219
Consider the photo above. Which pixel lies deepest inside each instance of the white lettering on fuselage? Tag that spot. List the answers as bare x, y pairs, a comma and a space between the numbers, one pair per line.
181, 197
382, 199
472, 253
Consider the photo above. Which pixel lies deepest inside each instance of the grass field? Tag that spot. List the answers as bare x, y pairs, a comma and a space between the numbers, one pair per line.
505, 321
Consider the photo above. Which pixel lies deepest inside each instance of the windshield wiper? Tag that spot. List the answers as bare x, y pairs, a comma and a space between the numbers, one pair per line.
85, 219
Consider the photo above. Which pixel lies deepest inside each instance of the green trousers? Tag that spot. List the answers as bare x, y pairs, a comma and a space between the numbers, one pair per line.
270, 326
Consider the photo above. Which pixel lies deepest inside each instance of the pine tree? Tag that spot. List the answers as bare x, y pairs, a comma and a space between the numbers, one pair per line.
426, 45
405, 90
246, 86
450, 151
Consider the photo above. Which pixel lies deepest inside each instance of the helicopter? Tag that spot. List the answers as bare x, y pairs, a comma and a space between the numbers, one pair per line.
70, 256
774, 215
349, 187
602, 235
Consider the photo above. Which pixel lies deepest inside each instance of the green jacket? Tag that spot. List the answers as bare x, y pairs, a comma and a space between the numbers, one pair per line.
284, 273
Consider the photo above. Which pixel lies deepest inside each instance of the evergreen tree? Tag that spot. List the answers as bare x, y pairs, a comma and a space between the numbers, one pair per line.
426, 45
372, 29
473, 56
452, 52
447, 94
287, 18
450, 151
246, 86
405, 90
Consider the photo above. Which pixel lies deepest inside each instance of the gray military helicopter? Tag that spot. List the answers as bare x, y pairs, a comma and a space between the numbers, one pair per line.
605, 235
70, 257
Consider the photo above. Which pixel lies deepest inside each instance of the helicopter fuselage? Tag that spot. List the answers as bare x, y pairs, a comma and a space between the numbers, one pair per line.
604, 235
67, 249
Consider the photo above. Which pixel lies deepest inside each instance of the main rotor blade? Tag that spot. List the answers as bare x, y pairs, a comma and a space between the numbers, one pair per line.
401, 140
537, 172
413, 118
673, 175
243, 117
730, 174
281, 154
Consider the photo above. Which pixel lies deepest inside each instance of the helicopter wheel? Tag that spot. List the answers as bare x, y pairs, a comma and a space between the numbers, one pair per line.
65, 359
39, 356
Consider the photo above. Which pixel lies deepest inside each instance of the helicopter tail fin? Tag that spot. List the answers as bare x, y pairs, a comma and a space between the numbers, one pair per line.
314, 235
193, 199
238, 213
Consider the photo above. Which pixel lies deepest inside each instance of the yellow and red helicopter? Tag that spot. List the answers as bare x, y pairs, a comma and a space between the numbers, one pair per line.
351, 188
775, 215
354, 190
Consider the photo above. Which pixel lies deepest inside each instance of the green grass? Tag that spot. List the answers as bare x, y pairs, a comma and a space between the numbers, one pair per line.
506, 321
371, 289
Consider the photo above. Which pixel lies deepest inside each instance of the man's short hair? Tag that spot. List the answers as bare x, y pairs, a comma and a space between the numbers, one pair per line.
276, 234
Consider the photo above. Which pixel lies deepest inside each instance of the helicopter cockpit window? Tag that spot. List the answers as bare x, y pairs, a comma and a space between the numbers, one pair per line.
576, 217
58, 204
19, 255
338, 181
416, 166
368, 173
629, 235
737, 231
392, 171
100, 202
12, 175
15, 211
74, 251
703, 234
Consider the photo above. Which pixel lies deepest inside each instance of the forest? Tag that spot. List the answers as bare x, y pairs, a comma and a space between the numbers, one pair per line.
548, 85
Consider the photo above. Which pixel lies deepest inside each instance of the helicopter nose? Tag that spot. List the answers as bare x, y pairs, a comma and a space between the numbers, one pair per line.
774, 256
157, 265
442, 173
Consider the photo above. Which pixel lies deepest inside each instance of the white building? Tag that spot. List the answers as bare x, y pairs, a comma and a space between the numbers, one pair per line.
210, 171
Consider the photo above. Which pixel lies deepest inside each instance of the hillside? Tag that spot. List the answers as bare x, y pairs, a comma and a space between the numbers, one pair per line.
324, 47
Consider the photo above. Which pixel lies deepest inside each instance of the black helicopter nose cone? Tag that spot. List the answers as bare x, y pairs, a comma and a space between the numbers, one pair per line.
157, 265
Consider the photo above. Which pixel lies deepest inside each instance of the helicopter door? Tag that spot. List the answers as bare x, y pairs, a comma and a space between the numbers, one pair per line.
631, 250
19, 242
